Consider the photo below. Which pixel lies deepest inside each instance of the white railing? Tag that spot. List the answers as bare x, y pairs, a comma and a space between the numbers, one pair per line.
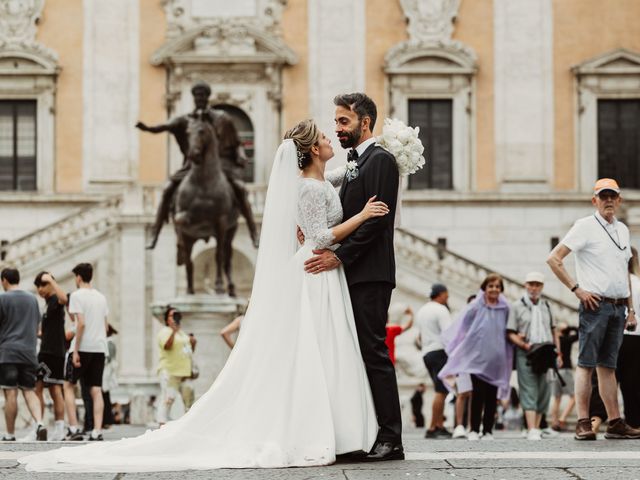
421, 255
62, 236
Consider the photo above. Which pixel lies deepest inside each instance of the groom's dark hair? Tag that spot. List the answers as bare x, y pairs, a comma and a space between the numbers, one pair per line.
359, 103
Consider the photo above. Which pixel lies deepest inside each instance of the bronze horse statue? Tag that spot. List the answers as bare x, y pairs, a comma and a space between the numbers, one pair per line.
205, 205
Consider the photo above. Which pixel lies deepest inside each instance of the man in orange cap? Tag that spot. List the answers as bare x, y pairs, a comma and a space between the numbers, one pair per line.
602, 249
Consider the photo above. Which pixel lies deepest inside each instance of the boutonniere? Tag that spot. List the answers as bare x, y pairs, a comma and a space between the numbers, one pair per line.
352, 170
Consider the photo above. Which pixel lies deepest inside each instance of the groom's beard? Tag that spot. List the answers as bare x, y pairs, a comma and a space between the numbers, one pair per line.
352, 138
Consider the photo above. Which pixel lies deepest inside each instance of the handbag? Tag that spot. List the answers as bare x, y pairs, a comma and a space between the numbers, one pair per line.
195, 371
542, 356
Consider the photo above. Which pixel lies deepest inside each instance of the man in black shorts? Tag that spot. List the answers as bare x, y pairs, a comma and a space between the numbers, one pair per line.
90, 309
52, 348
19, 318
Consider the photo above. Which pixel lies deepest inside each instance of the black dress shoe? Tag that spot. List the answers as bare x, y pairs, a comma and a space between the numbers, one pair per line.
351, 457
385, 451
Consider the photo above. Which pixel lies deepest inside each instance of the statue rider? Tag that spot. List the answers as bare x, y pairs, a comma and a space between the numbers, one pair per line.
230, 150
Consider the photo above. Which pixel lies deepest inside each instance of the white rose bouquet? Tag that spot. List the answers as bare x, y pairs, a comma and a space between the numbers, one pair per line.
403, 142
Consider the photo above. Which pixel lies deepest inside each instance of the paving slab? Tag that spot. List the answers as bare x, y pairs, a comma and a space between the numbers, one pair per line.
606, 473
475, 474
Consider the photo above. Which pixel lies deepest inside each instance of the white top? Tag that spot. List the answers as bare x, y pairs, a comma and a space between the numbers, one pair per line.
319, 210
432, 319
635, 298
93, 306
601, 267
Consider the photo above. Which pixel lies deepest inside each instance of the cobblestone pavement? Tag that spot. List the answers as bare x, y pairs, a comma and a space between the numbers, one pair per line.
508, 457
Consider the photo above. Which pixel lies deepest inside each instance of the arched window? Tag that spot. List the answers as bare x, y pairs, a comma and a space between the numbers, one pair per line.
244, 126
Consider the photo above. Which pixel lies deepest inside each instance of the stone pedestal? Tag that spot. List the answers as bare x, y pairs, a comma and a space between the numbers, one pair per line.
204, 316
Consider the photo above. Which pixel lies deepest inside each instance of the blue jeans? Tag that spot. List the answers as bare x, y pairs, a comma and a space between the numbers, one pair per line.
600, 334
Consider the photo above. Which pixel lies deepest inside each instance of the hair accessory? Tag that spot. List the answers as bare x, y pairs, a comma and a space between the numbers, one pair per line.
301, 157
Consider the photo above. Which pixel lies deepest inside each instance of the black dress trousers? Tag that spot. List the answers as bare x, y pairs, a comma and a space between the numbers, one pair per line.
370, 307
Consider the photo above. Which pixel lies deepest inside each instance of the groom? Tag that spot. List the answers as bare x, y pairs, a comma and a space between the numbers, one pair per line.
368, 259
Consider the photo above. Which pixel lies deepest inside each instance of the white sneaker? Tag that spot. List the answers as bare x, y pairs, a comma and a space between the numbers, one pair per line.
473, 436
549, 433
30, 436
57, 434
487, 436
459, 432
535, 434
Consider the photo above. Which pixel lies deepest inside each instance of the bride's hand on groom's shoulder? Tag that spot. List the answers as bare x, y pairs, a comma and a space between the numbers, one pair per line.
322, 261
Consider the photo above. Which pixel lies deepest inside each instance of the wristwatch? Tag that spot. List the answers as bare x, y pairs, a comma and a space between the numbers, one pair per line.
575, 287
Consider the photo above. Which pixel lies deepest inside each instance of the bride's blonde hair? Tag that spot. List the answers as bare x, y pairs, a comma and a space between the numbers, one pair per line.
305, 135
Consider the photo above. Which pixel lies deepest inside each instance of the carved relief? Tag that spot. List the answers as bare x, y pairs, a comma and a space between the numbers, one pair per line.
18, 28
430, 28
180, 16
430, 21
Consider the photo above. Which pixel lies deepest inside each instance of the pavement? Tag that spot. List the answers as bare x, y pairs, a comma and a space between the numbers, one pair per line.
508, 457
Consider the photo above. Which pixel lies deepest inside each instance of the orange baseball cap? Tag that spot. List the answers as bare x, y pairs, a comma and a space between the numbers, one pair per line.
606, 184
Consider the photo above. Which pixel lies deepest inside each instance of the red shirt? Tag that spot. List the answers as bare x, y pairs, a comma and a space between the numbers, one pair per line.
392, 332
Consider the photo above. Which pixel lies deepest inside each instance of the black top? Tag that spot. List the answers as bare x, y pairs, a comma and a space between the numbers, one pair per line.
53, 340
567, 338
367, 254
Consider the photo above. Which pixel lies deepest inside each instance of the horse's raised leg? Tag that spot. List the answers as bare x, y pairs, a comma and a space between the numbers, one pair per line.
228, 252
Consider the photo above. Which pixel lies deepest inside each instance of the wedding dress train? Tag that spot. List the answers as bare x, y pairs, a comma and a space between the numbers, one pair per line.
294, 391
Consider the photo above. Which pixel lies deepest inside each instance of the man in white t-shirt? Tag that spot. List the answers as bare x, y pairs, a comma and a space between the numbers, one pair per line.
90, 309
602, 250
432, 319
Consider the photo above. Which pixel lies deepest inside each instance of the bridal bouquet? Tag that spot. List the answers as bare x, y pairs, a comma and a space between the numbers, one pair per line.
403, 142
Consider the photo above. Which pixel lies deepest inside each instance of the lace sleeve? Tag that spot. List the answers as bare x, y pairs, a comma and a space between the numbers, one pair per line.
336, 176
312, 212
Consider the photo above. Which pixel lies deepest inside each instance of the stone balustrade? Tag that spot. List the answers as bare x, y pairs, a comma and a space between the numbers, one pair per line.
62, 236
422, 255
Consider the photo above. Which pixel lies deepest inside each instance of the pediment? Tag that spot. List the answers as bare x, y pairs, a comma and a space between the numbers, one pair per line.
225, 42
430, 58
619, 61
14, 61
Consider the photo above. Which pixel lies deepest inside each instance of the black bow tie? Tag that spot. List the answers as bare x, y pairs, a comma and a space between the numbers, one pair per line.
352, 156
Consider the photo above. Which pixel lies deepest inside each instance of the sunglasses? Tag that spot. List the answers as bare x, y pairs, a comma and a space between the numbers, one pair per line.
608, 195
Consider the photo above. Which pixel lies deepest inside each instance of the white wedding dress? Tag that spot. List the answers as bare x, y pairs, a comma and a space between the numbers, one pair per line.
294, 391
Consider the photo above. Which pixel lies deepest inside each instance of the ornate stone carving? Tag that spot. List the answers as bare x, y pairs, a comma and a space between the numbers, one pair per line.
18, 28
224, 41
180, 18
430, 28
430, 21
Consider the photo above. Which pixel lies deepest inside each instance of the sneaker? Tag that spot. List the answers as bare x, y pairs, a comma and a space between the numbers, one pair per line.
74, 436
96, 438
487, 437
443, 433
57, 435
432, 434
8, 438
583, 430
459, 432
619, 430
473, 436
549, 433
30, 436
534, 435
41, 433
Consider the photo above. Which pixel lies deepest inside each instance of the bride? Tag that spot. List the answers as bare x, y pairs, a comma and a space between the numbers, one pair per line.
294, 391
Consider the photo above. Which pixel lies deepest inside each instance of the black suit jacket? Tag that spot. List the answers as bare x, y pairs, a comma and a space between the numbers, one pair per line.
367, 254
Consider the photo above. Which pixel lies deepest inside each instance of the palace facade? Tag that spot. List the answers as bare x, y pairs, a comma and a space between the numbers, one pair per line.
522, 105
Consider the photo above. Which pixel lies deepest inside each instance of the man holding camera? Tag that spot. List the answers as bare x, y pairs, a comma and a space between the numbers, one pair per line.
602, 249
175, 367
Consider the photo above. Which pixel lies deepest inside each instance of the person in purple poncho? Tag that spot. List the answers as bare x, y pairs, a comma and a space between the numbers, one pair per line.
478, 346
